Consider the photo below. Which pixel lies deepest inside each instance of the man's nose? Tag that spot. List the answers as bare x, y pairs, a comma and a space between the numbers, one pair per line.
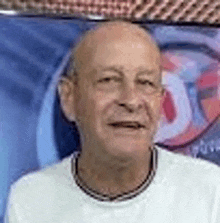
129, 98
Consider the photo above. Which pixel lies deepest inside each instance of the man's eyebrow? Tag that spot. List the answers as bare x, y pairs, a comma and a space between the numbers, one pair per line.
147, 72
120, 70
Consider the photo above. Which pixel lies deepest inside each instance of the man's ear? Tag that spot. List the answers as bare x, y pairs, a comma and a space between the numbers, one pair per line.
163, 94
66, 94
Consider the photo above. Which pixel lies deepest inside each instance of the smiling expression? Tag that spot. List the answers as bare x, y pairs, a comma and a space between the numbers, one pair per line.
118, 96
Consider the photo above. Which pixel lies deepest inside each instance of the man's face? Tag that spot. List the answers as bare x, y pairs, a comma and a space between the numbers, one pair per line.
119, 95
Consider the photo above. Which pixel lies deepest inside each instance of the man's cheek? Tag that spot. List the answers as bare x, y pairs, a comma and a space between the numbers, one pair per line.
150, 109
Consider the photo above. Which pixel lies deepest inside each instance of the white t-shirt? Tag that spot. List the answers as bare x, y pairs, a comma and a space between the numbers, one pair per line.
183, 190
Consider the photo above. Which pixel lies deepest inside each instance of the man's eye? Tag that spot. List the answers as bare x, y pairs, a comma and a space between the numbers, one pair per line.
108, 79
146, 82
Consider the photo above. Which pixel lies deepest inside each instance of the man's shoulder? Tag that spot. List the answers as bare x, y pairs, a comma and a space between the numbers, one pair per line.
43, 182
47, 189
190, 169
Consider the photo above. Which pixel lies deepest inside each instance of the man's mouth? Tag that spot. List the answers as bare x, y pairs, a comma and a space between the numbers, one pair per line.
127, 124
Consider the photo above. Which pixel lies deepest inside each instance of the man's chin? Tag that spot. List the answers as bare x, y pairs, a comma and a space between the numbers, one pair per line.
127, 148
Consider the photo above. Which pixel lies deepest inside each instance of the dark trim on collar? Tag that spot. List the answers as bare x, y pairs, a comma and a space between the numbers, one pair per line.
122, 197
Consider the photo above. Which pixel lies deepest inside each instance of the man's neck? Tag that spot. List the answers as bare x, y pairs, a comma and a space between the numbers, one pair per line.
113, 178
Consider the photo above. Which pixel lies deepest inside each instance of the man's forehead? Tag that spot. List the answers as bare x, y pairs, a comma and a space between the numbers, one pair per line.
122, 33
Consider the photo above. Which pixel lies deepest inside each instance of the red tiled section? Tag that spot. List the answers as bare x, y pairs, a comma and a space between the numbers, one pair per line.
207, 11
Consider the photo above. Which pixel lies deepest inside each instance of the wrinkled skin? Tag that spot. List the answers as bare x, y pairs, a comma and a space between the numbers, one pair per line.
118, 66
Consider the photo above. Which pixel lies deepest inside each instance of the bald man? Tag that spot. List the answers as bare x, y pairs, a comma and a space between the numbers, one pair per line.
114, 92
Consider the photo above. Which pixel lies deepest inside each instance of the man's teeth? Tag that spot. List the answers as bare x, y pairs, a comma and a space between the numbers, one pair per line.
127, 124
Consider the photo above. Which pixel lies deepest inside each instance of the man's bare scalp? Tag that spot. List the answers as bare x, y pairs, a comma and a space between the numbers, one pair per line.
105, 33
